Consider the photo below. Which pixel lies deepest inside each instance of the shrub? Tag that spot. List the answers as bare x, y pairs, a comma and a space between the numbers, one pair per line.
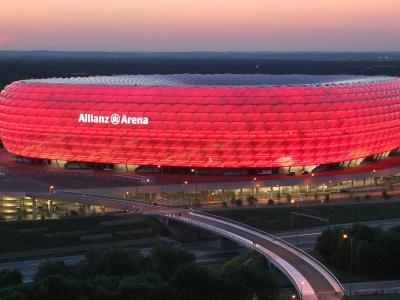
385, 195
327, 197
251, 200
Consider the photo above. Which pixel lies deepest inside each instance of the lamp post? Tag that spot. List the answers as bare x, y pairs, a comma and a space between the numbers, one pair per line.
345, 236
301, 290
195, 171
183, 190
373, 171
297, 222
51, 189
162, 185
145, 193
252, 186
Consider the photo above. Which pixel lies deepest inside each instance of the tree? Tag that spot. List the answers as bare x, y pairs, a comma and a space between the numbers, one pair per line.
16, 292
233, 199
102, 287
239, 202
327, 242
9, 277
165, 260
288, 197
278, 196
52, 267
370, 259
385, 195
247, 282
144, 286
375, 252
57, 287
251, 200
327, 197
192, 281
392, 247
112, 262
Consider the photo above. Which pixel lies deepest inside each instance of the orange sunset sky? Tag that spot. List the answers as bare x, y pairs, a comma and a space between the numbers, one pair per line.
200, 25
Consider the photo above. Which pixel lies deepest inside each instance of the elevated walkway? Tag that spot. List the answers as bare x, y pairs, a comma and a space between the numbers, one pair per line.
310, 278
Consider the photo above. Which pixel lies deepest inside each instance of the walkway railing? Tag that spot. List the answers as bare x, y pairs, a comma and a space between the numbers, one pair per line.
233, 237
276, 239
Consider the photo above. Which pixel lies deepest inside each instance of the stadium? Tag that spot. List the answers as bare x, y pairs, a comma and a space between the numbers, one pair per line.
266, 123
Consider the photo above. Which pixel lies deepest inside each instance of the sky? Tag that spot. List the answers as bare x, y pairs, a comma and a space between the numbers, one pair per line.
200, 25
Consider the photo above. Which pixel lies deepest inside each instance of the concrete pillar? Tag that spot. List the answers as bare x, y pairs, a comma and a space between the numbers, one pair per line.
87, 209
103, 210
223, 195
241, 193
272, 192
257, 192
34, 209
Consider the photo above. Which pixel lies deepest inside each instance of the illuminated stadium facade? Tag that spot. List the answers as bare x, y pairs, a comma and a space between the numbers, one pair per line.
213, 121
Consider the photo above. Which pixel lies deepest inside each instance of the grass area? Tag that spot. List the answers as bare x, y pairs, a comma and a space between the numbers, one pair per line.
21, 235
278, 217
374, 297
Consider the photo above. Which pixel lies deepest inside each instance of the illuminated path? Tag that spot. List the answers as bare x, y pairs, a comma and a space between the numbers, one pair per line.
309, 277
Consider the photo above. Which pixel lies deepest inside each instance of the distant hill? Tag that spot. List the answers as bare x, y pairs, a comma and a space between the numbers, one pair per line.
313, 56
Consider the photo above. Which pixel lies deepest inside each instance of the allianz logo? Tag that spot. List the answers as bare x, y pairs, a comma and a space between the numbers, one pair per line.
113, 119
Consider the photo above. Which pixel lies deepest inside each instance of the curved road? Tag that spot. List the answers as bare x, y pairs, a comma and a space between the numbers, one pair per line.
322, 287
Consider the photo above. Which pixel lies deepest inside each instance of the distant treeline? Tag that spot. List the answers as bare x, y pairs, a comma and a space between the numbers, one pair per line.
18, 68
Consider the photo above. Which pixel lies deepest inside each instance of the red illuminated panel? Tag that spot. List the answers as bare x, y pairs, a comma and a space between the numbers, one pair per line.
205, 126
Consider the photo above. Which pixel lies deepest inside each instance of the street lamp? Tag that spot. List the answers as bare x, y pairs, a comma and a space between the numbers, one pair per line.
373, 171
297, 222
162, 185
309, 196
183, 190
301, 290
252, 186
145, 193
195, 171
51, 189
345, 236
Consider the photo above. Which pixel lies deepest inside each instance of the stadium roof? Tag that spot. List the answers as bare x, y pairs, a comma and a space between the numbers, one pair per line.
217, 80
